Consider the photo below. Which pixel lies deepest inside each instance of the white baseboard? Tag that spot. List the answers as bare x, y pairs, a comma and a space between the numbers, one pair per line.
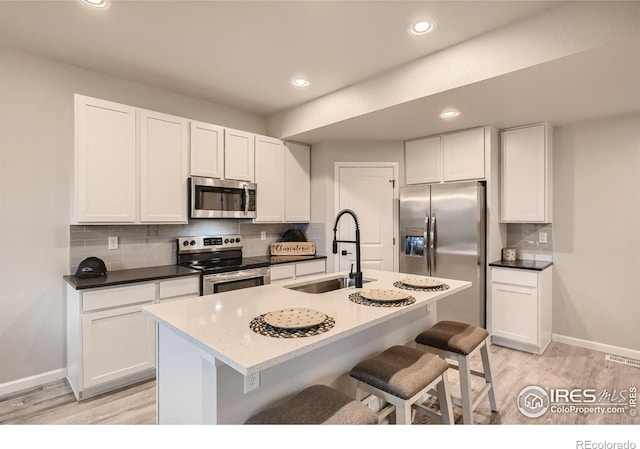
602, 347
33, 381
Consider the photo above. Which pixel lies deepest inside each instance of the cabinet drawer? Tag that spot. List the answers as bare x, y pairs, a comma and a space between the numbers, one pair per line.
280, 272
515, 277
118, 296
307, 268
180, 287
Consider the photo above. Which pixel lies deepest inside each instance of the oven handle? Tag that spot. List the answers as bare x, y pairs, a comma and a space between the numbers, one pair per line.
239, 275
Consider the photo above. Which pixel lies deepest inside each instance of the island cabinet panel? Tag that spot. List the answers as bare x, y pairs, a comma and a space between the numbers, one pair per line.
297, 197
423, 160
239, 154
105, 184
525, 193
207, 150
270, 178
164, 159
521, 308
463, 155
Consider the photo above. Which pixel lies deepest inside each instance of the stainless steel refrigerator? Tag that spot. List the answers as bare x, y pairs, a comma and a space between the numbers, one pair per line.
443, 234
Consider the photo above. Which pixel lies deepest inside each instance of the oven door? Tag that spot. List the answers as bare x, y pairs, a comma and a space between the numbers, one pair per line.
235, 280
216, 198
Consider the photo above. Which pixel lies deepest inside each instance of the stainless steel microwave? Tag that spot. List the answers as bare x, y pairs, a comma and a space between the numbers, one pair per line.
217, 198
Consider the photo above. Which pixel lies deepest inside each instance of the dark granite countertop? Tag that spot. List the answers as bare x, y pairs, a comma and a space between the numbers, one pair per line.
130, 276
536, 265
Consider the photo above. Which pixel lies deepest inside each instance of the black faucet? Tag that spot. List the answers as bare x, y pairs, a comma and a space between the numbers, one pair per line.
358, 274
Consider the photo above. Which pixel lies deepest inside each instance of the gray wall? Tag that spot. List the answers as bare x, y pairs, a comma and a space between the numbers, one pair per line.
323, 157
36, 154
596, 231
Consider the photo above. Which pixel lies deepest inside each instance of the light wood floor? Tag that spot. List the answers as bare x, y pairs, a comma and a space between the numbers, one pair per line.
561, 366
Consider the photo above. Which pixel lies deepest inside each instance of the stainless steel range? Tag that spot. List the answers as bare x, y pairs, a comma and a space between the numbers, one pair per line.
220, 260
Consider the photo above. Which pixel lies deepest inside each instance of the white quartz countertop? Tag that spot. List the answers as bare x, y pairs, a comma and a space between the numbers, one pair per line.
219, 324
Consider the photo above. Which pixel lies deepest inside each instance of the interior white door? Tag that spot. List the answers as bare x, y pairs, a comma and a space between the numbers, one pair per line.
369, 192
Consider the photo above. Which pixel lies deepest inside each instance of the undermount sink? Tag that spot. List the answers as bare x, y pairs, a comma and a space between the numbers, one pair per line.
326, 284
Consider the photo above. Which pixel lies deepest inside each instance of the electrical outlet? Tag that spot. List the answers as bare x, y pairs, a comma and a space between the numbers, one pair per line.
113, 242
251, 381
542, 237
263, 235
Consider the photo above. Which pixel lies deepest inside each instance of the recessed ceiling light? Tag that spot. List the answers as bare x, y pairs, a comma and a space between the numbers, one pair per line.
300, 82
421, 27
451, 113
96, 3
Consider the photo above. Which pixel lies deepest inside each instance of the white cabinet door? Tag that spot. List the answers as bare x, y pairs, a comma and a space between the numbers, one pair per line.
105, 162
525, 174
270, 178
207, 150
297, 183
164, 158
515, 312
239, 149
423, 161
116, 343
463, 155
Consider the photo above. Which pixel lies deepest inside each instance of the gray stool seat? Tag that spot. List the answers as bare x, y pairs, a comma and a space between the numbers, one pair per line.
400, 371
318, 404
453, 336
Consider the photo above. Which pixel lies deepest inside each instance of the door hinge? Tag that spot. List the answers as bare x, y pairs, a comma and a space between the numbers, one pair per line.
393, 183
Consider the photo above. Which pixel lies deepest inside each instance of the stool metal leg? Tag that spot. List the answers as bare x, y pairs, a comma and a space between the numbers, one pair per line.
486, 367
465, 390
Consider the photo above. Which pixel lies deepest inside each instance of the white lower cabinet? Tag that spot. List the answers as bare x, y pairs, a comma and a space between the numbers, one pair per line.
110, 341
296, 270
521, 308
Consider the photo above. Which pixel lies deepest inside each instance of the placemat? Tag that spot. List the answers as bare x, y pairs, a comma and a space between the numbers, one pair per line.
439, 288
259, 326
358, 299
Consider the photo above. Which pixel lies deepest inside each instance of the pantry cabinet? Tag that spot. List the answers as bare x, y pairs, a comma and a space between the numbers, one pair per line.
105, 174
525, 193
207, 150
270, 178
110, 341
458, 156
164, 168
239, 154
521, 308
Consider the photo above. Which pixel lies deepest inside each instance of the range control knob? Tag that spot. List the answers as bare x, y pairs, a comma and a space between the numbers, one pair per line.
226, 240
192, 242
185, 243
238, 240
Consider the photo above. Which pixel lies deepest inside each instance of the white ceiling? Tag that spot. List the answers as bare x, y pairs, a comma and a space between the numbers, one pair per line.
244, 54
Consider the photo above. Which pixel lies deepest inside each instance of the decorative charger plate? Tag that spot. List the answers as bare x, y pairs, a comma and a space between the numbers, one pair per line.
294, 318
422, 282
383, 295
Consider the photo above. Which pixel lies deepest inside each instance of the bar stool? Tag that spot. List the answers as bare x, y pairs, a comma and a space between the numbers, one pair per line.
317, 404
403, 377
460, 341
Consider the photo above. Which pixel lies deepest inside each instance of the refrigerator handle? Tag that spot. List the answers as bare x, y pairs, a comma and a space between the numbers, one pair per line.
433, 241
425, 250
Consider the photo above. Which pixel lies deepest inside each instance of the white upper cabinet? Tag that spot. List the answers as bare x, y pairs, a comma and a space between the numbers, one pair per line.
423, 161
297, 183
164, 159
239, 153
525, 193
105, 181
207, 150
463, 155
270, 178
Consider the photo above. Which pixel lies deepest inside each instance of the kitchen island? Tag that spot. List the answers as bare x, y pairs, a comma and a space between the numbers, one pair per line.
212, 368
